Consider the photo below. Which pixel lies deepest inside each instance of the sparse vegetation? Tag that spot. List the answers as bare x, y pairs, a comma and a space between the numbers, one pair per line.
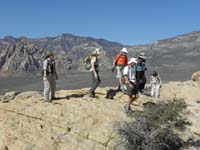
153, 128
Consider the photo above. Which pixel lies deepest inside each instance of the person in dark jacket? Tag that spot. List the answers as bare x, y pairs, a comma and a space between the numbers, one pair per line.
140, 72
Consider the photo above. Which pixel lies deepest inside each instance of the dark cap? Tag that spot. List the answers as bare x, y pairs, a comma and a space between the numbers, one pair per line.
154, 73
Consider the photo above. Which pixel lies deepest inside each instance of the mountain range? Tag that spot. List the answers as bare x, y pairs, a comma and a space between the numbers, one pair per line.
179, 54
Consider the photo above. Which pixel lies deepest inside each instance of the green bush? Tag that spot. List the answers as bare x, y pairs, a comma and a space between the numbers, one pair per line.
153, 128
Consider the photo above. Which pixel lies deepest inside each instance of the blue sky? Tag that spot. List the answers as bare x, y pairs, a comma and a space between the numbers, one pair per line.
126, 21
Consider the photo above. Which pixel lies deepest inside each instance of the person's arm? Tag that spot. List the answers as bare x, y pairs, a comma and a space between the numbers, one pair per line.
45, 65
116, 59
160, 81
55, 70
113, 68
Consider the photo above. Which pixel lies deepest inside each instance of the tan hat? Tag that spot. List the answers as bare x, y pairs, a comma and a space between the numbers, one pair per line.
132, 60
49, 55
142, 55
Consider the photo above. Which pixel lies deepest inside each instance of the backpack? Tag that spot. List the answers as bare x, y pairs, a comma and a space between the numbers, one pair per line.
87, 62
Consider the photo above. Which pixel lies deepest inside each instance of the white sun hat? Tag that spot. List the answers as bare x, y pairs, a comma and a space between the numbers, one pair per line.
124, 50
132, 60
97, 51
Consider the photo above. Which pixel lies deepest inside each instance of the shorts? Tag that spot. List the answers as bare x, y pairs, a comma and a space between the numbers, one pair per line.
120, 71
132, 91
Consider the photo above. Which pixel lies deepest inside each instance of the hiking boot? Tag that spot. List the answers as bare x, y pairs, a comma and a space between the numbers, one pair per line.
124, 91
47, 101
92, 95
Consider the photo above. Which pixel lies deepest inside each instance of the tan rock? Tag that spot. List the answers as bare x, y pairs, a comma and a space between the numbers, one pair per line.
28, 95
76, 122
196, 76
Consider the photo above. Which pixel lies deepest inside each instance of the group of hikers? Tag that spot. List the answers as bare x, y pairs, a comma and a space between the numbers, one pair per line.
130, 74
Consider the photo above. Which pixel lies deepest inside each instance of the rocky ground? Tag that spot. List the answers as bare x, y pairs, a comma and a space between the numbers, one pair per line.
77, 122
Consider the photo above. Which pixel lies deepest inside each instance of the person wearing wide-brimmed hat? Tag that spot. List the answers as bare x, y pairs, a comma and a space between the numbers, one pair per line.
140, 72
49, 77
132, 92
94, 72
155, 83
120, 61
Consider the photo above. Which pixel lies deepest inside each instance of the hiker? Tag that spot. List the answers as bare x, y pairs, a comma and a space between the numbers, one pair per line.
120, 61
155, 83
132, 92
49, 76
140, 72
94, 72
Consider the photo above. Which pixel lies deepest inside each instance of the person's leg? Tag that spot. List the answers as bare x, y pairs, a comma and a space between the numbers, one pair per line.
143, 82
91, 91
53, 87
153, 88
119, 77
157, 91
138, 80
133, 95
123, 85
46, 90
95, 84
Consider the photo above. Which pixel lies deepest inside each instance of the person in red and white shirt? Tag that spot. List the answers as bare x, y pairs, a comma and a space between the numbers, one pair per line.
120, 61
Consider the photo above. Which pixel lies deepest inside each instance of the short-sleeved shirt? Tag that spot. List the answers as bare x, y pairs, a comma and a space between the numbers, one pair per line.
121, 60
95, 61
130, 72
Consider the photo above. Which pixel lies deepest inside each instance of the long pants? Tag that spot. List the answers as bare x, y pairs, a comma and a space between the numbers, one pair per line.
155, 90
49, 88
95, 82
140, 80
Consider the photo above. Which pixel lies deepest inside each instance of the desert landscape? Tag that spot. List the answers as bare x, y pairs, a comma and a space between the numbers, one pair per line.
76, 121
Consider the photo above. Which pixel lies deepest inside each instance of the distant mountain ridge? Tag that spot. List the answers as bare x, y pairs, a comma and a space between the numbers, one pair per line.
26, 55
173, 56
176, 55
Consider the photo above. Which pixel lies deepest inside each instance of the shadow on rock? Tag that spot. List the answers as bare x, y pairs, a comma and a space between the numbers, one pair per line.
70, 96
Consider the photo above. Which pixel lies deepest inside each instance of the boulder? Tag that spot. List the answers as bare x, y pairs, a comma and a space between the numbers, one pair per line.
12, 94
29, 95
196, 76
9, 96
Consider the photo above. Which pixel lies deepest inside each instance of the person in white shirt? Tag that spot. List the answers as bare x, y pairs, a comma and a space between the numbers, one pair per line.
155, 84
94, 72
130, 79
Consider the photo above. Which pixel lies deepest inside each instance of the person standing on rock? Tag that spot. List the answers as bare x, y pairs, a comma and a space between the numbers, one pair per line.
49, 77
140, 72
94, 72
130, 80
155, 84
120, 61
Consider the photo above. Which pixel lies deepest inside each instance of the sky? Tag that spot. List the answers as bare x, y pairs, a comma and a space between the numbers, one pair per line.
128, 22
